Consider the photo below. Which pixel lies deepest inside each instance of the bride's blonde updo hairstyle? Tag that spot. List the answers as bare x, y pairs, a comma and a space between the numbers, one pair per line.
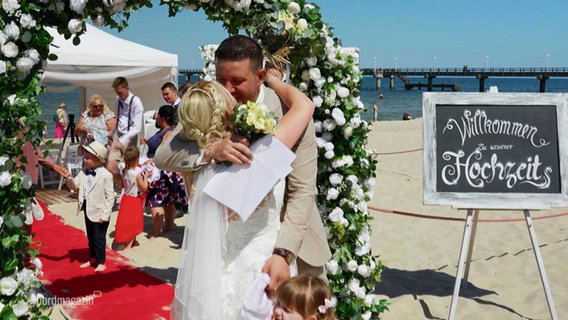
202, 112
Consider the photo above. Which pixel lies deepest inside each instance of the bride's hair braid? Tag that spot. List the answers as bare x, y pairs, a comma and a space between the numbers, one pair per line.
202, 113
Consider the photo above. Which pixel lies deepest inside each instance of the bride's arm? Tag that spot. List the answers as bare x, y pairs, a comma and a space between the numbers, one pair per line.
300, 109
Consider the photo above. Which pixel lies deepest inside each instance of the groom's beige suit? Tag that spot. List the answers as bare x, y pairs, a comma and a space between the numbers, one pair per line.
302, 231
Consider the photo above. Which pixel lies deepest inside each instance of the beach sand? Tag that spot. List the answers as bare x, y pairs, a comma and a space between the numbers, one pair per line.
421, 254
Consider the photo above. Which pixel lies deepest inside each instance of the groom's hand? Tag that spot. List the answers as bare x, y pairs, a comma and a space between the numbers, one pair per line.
234, 149
278, 270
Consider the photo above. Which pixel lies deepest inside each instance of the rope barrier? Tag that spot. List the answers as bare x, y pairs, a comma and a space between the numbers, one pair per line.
395, 152
425, 216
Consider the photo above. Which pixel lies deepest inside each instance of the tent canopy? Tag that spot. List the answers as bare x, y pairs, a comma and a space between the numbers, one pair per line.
99, 59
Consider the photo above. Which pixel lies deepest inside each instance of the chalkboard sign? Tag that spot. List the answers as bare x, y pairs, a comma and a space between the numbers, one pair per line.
495, 150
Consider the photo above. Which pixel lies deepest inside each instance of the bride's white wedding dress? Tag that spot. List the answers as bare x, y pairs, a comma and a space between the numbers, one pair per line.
220, 259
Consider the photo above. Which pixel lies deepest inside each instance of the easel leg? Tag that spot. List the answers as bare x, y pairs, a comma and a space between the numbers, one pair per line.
470, 250
461, 261
540, 264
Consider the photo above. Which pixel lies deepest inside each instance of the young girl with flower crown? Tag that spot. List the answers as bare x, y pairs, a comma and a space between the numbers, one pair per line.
303, 297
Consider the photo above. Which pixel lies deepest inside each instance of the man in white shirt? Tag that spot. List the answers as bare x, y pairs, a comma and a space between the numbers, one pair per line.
170, 94
129, 124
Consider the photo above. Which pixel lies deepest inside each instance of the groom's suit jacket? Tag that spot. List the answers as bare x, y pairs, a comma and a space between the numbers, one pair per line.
302, 231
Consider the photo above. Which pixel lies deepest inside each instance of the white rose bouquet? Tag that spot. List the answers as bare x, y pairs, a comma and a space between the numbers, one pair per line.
253, 120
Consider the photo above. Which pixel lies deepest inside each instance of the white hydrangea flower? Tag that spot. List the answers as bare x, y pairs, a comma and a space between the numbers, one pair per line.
312, 61
5, 179
24, 65
332, 194
27, 21
32, 54
303, 86
10, 6
329, 146
353, 178
20, 308
9, 50
332, 267
26, 277
305, 75
12, 30
364, 270
319, 83
329, 154
294, 8
318, 101
343, 92
315, 73
335, 179
8, 286
336, 215
353, 285
369, 300
74, 26
352, 265
367, 315
77, 5
320, 142
355, 122
338, 116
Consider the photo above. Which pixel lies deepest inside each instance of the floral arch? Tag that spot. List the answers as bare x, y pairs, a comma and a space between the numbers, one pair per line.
322, 69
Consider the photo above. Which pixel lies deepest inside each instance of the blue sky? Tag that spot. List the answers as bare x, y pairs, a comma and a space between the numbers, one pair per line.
405, 33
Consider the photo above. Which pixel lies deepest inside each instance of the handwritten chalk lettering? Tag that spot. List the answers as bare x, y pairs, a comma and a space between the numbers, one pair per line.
477, 173
477, 123
498, 147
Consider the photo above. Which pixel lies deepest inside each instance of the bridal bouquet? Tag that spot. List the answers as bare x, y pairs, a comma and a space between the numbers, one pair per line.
253, 120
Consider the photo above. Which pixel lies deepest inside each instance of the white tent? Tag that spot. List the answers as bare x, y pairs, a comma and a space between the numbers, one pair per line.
99, 59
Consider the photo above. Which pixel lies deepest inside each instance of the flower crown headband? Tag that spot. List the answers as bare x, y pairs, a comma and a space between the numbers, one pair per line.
325, 306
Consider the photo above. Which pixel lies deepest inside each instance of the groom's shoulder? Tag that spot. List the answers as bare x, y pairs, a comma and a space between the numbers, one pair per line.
175, 153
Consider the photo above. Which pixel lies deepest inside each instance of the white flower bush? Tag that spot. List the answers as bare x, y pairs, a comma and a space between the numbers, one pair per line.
292, 31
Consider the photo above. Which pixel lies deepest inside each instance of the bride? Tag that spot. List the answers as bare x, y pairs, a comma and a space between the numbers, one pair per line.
221, 254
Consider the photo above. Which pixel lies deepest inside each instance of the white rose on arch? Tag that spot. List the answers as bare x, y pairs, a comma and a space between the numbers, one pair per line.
74, 26
9, 50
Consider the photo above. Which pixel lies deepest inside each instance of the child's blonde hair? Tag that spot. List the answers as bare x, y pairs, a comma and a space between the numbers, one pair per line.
131, 157
202, 112
306, 295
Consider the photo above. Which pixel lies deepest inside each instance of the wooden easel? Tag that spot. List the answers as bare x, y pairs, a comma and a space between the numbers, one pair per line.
467, 248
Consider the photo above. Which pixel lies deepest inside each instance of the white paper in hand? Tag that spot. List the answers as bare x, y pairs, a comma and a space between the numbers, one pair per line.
242, 188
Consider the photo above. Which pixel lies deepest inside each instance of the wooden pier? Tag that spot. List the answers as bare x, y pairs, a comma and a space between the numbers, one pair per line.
540, 74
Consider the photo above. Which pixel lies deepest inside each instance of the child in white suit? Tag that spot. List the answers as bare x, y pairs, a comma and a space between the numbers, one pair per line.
96, 198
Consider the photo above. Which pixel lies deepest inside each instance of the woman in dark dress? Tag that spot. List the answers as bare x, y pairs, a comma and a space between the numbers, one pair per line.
169, 189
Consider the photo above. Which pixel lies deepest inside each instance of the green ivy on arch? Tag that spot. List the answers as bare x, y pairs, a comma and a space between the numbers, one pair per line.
326, 72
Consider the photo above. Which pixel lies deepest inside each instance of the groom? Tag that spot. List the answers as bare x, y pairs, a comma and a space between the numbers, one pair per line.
239, 67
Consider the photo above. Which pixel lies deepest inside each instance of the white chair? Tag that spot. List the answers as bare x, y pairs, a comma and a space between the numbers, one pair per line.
72, 161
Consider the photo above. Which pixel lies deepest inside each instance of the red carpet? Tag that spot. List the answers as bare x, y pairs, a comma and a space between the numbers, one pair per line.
120, 292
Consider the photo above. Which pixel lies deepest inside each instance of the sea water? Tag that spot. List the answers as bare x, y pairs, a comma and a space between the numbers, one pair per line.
392, 105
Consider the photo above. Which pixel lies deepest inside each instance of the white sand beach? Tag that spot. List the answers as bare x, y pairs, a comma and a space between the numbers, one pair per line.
421, 254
